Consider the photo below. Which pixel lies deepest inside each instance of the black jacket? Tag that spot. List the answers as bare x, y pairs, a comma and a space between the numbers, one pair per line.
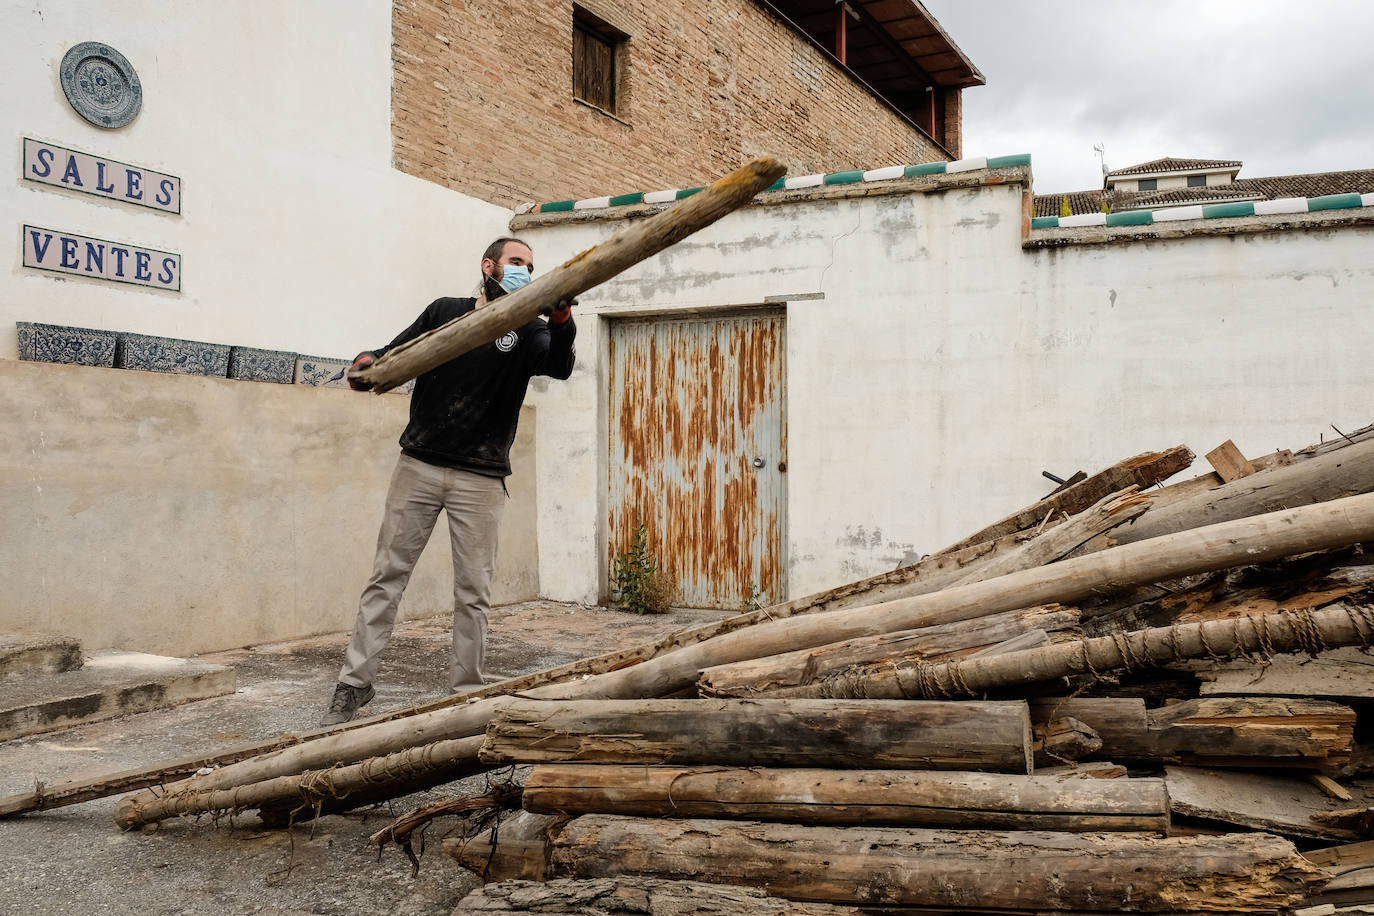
463, 414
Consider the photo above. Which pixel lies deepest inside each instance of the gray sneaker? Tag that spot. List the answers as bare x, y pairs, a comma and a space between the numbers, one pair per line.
344, 706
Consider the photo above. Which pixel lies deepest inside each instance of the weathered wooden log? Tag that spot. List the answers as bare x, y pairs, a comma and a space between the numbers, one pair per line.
1307, 582
854, 797
993, 737
1267, 634
1144, 470
445, 760
1333, 524
761, 675
928, 575
1341, 473
518, 849
1027, 870
600, 896
1227, 732
591, 268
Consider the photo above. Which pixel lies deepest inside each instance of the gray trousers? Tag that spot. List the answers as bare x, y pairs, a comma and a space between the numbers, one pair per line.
474, 504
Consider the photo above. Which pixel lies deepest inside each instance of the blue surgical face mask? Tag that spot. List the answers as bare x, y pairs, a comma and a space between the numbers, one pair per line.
514, 276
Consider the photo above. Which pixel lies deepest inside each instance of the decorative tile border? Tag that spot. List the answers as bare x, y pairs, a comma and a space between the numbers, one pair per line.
1207, 211
53, 343
254, 365
169, 354
890, 173
320, 371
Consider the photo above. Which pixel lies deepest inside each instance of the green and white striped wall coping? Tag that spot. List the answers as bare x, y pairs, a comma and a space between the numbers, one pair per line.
890, 173
1207, 211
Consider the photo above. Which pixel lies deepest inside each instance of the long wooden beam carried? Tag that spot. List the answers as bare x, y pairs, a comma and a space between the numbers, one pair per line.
1252, 540
591, 268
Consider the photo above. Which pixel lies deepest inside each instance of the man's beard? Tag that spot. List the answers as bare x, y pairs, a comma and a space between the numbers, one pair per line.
492, 287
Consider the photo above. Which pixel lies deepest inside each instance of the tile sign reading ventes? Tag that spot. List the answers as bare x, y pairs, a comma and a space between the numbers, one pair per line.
63, 252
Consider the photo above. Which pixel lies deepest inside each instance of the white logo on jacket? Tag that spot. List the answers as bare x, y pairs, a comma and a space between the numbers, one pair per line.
506, 342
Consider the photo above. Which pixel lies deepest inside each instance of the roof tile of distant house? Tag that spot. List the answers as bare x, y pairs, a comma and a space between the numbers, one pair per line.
1316, 184
1172, 164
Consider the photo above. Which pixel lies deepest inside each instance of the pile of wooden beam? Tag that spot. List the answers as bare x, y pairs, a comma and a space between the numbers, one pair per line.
1125, 698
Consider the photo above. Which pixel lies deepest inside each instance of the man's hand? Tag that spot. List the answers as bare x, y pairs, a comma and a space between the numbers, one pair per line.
562, 312
362, 361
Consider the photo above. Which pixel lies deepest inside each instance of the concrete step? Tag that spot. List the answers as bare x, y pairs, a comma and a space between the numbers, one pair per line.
110, 684
30, 655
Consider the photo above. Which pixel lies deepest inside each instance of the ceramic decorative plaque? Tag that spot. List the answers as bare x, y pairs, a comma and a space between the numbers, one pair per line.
101, 84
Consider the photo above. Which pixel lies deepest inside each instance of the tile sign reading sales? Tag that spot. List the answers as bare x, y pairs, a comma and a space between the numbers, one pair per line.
46, 163
63, 252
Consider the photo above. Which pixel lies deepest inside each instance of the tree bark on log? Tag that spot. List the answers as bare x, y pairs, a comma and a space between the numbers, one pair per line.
591, 268
772, 733
790, 669
1268, 634
852, 797
1144, 470
1252, 540
1028, 870
602, 896
1263, 732
444, 760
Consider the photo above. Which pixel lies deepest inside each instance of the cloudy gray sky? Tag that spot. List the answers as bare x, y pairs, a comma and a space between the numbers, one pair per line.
1286, 87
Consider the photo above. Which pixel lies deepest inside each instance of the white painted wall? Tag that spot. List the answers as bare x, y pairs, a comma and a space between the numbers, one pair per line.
296, 233
176, 514
947, 366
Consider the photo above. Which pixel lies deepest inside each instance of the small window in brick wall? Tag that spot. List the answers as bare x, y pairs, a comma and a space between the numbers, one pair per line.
596, 47
1147, 184
1197, 181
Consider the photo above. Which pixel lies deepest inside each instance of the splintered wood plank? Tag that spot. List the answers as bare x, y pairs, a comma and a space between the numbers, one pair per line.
1229, 463
1274, 803
1346, 674
1351, 866
1144, 470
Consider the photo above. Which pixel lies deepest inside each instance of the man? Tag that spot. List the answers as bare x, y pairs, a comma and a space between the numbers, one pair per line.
455, 456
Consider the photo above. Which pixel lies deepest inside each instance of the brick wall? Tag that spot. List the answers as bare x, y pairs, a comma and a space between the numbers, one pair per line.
482, 100
954, 124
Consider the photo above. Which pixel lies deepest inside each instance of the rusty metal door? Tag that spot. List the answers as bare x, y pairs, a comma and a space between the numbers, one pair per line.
698, 451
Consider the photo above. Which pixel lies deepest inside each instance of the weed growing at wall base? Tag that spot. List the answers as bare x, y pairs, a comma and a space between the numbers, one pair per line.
640, 586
